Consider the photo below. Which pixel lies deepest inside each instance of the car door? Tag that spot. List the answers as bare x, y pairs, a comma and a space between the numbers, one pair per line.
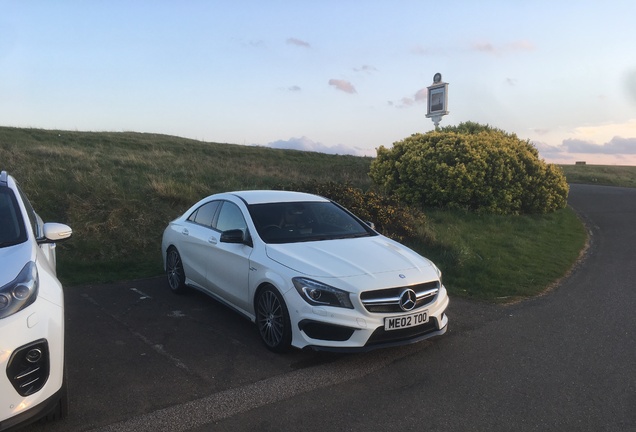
196, 242
228, 264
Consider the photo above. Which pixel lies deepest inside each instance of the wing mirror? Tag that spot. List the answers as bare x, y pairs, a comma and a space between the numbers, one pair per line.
233, 236
55, 232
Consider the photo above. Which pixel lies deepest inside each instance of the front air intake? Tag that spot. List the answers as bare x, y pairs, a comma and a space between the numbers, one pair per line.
28, 368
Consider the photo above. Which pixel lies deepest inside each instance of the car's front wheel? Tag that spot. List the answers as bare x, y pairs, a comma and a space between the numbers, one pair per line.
174, 271
272, 319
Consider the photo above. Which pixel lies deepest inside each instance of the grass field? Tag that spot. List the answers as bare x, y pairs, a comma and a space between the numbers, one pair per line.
119, 190
607, 175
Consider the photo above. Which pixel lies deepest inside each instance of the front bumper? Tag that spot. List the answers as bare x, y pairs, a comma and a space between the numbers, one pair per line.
347, 330
40, 326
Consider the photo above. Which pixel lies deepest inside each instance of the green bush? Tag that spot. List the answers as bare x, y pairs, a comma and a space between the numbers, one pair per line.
390, 217
472, 167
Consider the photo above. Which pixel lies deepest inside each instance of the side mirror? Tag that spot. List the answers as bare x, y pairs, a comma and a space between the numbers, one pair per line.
233, 236
55, 232
370, 224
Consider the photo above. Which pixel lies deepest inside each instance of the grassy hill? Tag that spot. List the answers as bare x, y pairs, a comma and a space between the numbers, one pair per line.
607, 175
118, 191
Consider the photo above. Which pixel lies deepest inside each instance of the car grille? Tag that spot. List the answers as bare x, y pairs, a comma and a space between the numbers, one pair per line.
388, 300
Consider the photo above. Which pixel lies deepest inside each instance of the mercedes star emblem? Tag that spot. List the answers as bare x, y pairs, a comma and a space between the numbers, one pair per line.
408, 299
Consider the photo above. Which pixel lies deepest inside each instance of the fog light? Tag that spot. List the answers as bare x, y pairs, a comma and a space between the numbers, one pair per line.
34, 355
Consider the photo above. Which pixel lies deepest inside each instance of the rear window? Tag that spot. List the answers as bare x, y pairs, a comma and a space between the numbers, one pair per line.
12, 229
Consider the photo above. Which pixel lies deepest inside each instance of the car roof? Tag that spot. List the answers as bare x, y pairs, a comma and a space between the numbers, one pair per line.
276, 196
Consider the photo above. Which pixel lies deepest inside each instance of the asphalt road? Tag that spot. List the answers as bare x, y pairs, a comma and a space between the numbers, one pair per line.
142, 359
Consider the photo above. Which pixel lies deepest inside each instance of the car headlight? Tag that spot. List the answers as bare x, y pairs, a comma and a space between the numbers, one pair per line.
439, 275
319, 294
20, 292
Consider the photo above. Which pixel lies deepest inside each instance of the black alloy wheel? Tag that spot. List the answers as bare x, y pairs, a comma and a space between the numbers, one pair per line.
272, 319
174, 271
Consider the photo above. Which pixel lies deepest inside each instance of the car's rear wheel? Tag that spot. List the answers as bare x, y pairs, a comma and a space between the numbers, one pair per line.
174, 271
272, 319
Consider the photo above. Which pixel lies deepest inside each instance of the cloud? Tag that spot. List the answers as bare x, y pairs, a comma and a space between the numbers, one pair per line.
365, 68
512, 47
298, 42
306, 144
616, 146
419, 97
343, 85
294, 88
547, 150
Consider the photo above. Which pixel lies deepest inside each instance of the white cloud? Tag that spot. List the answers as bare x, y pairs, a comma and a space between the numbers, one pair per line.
602, 144
512, 47
298, 42
419, 97
617, 145
604, 133
306, 144
365, 68
343, 85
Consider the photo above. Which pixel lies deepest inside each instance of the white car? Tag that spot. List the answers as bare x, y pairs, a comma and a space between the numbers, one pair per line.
32, 380
308, 272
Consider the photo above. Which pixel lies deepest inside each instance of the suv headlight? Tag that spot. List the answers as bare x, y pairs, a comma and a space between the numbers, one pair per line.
319, 294
20, 292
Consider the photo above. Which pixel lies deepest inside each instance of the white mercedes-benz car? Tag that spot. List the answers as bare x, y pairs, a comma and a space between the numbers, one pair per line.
32, 381
308, 272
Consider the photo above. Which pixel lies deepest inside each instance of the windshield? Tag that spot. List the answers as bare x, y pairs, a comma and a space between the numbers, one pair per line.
12, 230
292, 222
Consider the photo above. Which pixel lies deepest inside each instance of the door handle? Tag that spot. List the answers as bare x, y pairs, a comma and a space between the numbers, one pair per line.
185, 231
212, 240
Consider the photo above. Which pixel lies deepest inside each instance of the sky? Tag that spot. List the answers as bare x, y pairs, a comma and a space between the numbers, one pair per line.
343, 77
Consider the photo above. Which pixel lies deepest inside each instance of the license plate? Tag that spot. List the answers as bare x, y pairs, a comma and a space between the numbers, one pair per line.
405, 321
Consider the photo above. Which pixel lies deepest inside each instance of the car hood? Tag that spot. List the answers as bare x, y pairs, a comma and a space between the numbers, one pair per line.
349, 257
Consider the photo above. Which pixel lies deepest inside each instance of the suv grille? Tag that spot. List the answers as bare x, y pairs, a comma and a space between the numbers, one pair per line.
388, 300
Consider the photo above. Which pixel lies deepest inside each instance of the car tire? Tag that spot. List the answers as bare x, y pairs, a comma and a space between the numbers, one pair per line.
60, 411
272, 319
174, 271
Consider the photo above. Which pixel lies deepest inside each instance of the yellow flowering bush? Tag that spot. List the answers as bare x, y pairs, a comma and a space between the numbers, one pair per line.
472, 167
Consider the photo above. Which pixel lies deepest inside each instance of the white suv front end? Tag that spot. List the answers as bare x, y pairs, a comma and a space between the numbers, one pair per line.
32, 379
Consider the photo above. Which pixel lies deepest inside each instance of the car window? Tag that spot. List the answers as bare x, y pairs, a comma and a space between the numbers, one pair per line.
12, 229
34, 219
231, 217
204, 215
305, 221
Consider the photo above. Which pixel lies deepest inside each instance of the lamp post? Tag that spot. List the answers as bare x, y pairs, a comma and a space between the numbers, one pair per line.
437, 99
